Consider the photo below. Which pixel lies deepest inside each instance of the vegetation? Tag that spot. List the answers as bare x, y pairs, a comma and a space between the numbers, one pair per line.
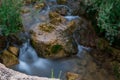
52, 74
10, 21
56, 48
108, 16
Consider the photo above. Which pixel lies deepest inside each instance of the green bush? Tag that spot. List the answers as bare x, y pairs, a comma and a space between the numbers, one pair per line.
108, 16
10, 21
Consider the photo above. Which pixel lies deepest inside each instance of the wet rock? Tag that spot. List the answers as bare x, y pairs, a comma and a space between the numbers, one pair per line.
56, 18
8, 59
14, 50
85, 34
78, 7
54, 39
62, 10
75, 6
53, 15
72, 76
8, 74
61, 1
39, 5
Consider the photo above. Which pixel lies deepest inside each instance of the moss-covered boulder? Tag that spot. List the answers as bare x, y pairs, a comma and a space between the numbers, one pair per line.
54, 39
8, 59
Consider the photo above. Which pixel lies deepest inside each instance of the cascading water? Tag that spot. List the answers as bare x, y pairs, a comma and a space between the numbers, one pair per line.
31, 64
25, 50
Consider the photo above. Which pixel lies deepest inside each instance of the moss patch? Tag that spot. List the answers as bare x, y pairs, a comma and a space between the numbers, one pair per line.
56, 48
46, 27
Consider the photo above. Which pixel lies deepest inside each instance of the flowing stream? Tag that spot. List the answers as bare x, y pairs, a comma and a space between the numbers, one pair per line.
81, 63
31, 64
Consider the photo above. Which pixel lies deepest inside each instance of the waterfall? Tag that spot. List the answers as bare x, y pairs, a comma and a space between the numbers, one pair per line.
30, 63
27, 53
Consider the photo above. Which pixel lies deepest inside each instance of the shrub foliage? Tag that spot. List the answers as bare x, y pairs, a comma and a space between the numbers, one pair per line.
10, 21
108, 16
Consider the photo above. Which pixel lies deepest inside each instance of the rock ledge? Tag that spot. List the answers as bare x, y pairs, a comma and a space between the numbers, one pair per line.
8, 74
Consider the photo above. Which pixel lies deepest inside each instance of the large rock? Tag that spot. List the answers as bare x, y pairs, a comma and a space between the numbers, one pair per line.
8, 59
8, 74
72, 76
54, 39
14, 50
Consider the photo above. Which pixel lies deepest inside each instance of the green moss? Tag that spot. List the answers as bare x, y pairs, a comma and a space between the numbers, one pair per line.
56, 48
47, 27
